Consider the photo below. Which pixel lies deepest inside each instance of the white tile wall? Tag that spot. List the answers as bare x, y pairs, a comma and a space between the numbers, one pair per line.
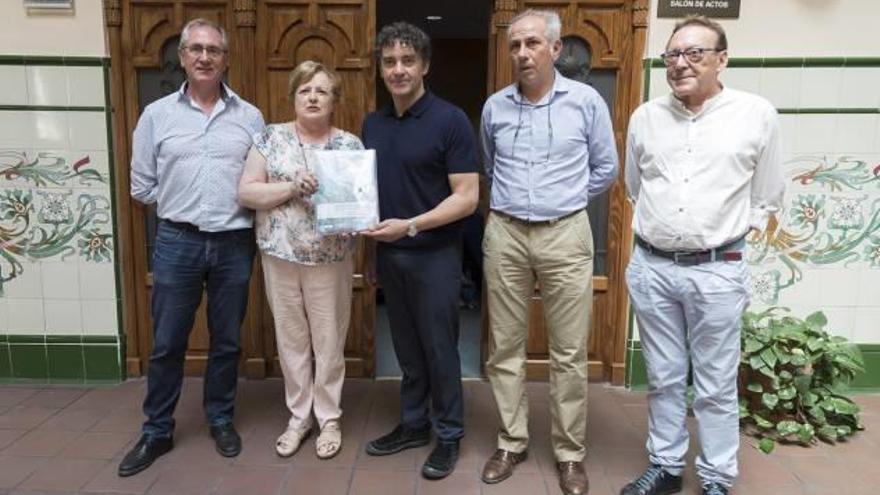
47, 85
50, 130
782, 86
742, 78
866, 329
860, 87
88, 130
841, 320
806, 292
4, 315
99, 317
97, 280
28, 284
820, 87
815, 133
856, 133
16, 130
63, 316
14, 84
85, 86
61, 279
869, 291
26, 316
659, 87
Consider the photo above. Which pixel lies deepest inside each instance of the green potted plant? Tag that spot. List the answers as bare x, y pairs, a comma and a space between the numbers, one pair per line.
792, 379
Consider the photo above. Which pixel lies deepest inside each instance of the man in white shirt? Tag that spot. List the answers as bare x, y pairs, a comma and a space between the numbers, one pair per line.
703, 170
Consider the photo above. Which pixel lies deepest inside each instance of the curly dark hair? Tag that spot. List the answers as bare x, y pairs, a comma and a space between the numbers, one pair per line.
405, 34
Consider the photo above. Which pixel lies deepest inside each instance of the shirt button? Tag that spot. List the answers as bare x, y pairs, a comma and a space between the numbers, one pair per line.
686, 180
680, 210
694, 119
678, 238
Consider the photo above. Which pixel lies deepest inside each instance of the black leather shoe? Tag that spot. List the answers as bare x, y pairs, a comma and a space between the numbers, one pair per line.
654, 481
226, 439
441, 462
147, 450
400, 439
714, 489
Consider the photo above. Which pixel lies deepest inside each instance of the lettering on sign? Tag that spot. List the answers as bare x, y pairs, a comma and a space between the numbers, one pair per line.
723, 9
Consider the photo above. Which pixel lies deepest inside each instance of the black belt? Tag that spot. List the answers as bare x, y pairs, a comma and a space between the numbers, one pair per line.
195, 228
533, 223
732, 251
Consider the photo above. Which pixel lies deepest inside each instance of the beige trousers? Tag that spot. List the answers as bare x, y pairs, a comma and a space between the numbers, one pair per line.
311, 305
560, 257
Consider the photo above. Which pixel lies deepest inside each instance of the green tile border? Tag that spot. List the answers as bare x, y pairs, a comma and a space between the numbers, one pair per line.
825, 111
26, 339
52, 60
48, 108
61, 359
869, 381
65, 363
28, 361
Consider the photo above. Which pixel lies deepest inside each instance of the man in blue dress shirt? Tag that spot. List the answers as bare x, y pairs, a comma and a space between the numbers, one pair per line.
549, 149
189, 150
427, 170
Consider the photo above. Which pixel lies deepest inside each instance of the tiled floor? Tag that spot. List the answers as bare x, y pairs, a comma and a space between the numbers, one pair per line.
70, 440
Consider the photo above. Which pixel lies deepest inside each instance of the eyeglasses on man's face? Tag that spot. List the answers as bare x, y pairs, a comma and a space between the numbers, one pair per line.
693, 54
212, 51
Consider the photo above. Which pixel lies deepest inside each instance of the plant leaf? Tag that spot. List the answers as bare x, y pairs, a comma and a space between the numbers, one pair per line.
755, 387
752, 345
786, 428
769, 357
817, 320
766, 445
770, 400
787, 393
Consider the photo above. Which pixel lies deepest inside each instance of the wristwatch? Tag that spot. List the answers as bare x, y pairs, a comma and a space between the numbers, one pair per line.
411, 229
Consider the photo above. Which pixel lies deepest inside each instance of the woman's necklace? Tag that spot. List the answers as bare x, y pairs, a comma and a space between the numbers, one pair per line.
302, 151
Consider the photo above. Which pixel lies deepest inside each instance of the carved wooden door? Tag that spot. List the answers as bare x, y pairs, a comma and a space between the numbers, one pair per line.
266, 40
612, 34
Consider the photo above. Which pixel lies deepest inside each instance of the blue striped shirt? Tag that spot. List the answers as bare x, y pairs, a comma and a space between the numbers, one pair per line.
547, 159
189, 163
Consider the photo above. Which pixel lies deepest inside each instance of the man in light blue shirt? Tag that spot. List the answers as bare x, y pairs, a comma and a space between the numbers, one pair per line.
548, 148
189, 150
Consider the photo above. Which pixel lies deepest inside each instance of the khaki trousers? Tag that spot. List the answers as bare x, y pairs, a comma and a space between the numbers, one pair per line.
560, 257
311, 305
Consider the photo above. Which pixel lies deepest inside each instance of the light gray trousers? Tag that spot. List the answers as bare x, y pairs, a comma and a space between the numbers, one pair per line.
690, 314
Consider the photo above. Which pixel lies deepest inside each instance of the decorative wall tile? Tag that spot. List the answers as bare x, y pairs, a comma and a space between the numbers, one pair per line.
26, 316
60, 280
820, 87
63, 316
858, 87
48, 169
85, 86
856, 133
782, 86
88, 130
50, 130
47, 85
20, 278
14, 84
99, 317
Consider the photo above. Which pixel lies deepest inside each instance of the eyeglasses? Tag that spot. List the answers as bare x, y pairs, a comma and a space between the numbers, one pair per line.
693, 54
212, 51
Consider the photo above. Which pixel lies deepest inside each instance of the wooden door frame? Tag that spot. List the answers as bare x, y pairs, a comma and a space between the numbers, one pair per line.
613, 331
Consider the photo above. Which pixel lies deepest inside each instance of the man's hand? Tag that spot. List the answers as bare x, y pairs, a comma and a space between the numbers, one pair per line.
388, 230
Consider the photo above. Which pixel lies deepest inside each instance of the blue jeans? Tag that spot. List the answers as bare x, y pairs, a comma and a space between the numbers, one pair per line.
186, 262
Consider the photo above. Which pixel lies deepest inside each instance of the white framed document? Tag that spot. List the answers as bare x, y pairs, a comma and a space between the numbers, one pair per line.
347, 199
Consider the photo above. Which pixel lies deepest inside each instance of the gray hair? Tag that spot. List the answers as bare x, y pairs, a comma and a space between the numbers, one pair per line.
200, 22
553, 26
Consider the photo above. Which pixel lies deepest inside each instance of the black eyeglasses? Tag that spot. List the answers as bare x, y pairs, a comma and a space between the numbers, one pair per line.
693, 54
549, 129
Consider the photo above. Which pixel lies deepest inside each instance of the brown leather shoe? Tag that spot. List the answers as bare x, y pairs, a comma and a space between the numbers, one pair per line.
572, 478
499, 467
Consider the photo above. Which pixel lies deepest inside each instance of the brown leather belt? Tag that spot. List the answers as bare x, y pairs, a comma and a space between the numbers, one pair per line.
732, 251
534, 223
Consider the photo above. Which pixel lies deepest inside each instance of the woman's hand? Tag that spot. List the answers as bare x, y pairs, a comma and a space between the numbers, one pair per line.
304, 184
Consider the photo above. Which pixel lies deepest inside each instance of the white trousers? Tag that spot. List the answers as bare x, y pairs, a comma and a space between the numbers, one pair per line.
690, 314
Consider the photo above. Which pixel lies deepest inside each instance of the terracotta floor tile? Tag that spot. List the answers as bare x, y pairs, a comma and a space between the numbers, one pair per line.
187, 480
12, 396
240, 480
25, 417
518, 484
7, 437
55, 397
107, 481
14, 470
120, 421
74, 419
98, 445
456, 483
377, 482
62, 474
317, 481
42, 443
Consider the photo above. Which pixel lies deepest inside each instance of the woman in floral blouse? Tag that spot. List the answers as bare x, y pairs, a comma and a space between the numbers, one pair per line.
307, 275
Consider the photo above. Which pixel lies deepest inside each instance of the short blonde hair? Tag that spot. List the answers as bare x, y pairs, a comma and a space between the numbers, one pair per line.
305, 71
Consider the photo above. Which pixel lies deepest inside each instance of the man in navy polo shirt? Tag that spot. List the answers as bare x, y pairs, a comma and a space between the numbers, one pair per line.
427, 171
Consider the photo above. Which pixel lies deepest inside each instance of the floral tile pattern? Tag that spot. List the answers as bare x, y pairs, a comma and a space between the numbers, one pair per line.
39, 223
832, 220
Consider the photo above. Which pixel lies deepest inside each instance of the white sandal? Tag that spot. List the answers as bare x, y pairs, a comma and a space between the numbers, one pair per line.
289, 441
329, 442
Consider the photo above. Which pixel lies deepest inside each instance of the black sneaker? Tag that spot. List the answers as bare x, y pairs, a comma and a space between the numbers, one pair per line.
401, 438
142, 455
441, 462
712, 488
654, 481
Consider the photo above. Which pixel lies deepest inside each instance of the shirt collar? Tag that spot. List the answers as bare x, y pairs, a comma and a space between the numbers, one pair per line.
416, 109
561, 84
226, 93
708, 105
